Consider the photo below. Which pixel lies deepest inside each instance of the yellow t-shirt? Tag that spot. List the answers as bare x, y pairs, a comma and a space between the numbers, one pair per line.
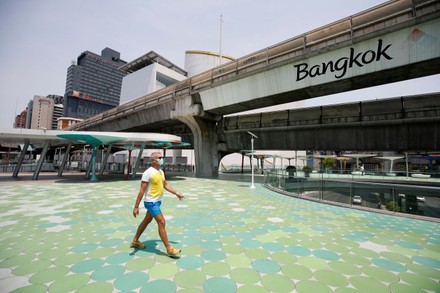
155, 179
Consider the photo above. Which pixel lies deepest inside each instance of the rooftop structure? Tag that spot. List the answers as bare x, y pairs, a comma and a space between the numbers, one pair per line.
147, 74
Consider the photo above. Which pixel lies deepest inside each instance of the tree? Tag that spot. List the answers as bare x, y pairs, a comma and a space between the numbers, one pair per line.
328, 163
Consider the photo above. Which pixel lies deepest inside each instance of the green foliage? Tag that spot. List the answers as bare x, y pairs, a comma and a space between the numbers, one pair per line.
307, 169
328, 162
393, 206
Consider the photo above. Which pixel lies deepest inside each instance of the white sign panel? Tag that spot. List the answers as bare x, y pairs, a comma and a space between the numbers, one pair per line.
400, 48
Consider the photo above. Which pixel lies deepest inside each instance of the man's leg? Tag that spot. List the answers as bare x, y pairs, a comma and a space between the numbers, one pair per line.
142, 226
171, 251
160, 219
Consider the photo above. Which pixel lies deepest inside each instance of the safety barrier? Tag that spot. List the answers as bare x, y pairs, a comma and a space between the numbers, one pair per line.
396, 195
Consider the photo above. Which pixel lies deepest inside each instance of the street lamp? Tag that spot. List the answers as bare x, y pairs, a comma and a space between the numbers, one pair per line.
252, 156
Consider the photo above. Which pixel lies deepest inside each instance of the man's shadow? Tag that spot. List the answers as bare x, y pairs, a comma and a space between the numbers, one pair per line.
151, 246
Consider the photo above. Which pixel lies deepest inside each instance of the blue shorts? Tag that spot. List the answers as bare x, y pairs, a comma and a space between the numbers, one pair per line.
153, 207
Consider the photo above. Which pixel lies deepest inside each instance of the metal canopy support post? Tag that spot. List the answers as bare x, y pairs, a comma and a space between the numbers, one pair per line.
104, 163
136, 165
41, 160
89, 168
93, 163
20, 159
63, 163
128, 164
252, 156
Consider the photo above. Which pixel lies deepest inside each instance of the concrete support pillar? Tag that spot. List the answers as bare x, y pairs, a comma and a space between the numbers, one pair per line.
41, 160
136, 165
205, 147
104, 163
20, 160
205, 137
93, 164
63, 163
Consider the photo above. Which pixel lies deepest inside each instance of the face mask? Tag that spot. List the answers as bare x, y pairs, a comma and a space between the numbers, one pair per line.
160, 162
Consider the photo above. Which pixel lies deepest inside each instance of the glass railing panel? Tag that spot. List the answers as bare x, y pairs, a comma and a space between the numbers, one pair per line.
399, 195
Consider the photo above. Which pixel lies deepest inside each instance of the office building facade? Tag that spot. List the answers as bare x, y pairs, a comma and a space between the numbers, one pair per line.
20, 120
93, 84
42, 113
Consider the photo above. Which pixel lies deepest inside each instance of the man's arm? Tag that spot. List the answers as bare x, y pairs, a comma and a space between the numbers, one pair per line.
172, 190
142, 190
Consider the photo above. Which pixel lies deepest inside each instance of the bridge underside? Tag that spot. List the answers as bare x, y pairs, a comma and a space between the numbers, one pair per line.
391, 136
417, 70
409, 123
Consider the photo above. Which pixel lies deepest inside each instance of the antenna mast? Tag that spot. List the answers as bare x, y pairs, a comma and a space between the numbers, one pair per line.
221, 33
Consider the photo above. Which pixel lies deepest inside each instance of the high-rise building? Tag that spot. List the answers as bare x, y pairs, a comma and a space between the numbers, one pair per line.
57, 113
20, 120
42, 113
93, 84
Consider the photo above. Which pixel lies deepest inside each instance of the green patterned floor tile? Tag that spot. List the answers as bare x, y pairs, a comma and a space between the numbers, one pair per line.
69, 283
69, 259
344, 268
189, 279
367, 284
296, 272
108, 272
228, 243
422, 270
257, 253
32, 289
312, 262
252, 289
331, 278
397, 257
421, 282
245, 276
219, 285
277, 283
131, 281
87, 265
216, 269
32, 267
213, 255
49, 275
283, 258
405, 288
163, 271
163, 286
233, 249
380, 274
101, 287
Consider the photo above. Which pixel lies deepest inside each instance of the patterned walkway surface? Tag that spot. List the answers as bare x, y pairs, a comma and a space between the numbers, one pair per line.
73, 236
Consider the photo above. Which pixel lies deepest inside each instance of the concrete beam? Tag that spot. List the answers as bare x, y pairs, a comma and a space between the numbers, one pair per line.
205, 136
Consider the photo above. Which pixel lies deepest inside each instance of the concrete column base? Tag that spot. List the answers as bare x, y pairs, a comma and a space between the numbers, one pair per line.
205, 139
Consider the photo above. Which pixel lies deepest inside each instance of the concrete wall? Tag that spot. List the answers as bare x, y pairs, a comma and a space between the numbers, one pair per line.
144, 81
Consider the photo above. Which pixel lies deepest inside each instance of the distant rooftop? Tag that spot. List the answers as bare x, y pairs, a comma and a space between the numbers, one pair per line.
148, 59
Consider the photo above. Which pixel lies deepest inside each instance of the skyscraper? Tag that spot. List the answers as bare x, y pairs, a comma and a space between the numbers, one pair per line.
93, 84
20, 120
42, 113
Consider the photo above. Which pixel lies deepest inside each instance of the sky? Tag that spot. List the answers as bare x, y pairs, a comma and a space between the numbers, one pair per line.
39, 39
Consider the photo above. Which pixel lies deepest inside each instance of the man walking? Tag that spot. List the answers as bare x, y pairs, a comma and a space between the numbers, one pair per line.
151, 190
